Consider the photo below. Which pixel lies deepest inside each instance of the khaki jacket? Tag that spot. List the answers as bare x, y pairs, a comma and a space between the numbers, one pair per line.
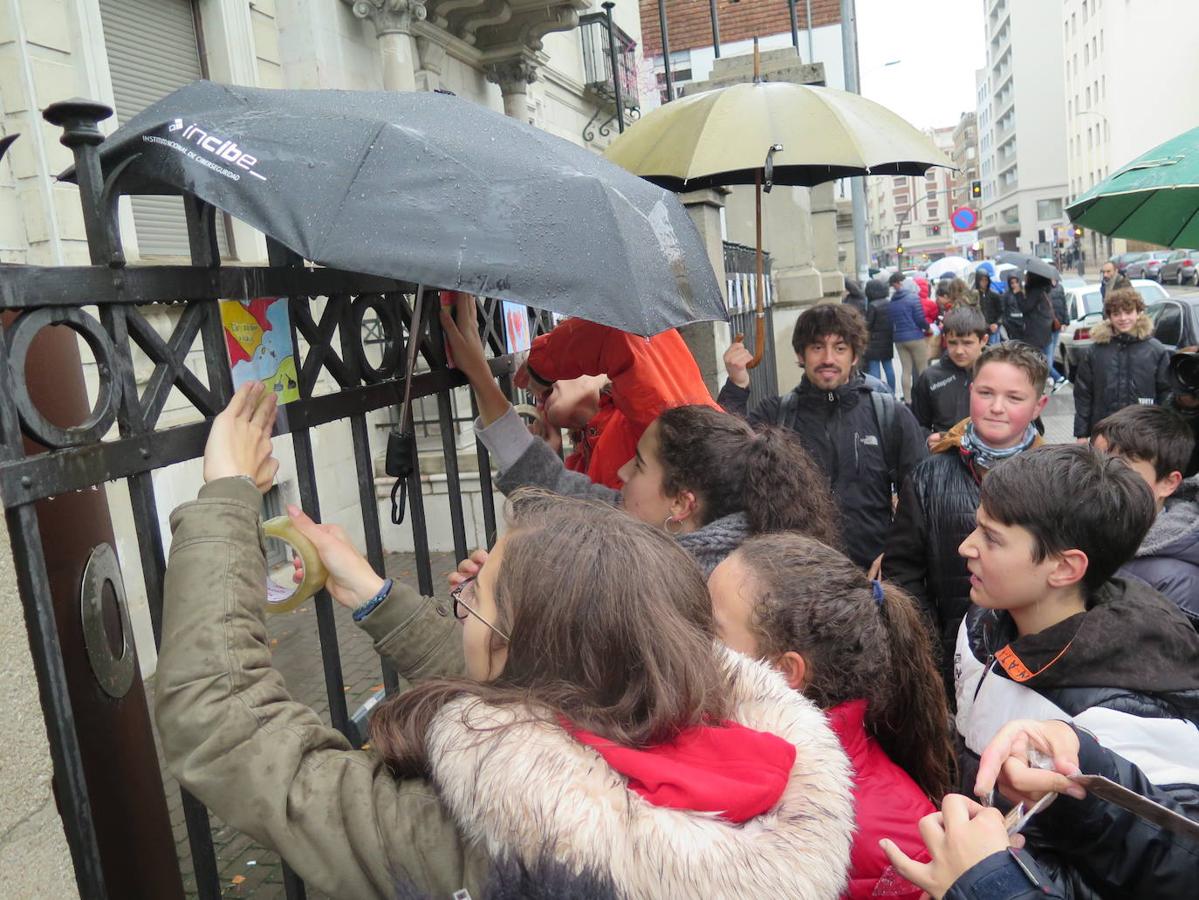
502, 784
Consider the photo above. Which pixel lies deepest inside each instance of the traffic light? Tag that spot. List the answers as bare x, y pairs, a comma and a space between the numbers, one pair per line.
899, 250
936, 229
976, 189
1077, 231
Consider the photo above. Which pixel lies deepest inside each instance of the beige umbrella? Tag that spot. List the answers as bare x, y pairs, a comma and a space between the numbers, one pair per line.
766, 133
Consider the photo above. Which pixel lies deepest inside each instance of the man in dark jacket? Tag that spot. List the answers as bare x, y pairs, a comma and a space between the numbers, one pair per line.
1037, 312
1126, 365
865, 441
880, 348
911, 330
937, 504
941, 395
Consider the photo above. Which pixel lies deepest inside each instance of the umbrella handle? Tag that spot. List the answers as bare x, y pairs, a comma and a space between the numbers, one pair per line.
760, 328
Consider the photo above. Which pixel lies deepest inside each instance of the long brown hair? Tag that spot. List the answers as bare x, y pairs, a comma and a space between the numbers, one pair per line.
731, 468
814, 601
611, 629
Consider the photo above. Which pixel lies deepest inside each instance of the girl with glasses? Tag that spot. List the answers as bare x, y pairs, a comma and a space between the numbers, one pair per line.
598, 733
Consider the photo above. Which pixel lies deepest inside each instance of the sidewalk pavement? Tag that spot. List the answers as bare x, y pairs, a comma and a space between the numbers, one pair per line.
246, 869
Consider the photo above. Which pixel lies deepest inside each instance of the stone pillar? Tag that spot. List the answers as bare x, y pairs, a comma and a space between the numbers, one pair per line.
709, 340
514, 77
34, 858
393, 26
824, 240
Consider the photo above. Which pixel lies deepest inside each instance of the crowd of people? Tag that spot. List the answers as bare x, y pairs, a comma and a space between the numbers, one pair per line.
816, 648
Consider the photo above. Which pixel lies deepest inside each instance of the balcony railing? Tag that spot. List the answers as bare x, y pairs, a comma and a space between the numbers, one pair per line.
598, 71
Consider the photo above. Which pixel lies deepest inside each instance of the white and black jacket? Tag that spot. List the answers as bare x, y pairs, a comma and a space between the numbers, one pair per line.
1127, 672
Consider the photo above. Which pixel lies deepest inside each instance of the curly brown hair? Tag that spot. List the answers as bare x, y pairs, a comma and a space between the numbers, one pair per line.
812, 600
767, 474
1125, 299
819, 321
620, 643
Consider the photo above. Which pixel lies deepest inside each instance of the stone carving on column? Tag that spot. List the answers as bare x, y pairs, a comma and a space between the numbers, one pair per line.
431, 55
393, 20
514, 77
389, 16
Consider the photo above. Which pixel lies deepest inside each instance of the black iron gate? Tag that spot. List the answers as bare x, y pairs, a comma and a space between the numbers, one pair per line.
740, 270
109, 306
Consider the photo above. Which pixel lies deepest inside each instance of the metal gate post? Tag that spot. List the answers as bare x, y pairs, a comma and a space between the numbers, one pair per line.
116, 744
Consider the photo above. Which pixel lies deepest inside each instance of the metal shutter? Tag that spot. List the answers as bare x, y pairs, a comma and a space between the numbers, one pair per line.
153, 49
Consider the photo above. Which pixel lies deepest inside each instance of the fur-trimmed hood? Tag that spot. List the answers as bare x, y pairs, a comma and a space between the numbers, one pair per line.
1103, 334
524, 789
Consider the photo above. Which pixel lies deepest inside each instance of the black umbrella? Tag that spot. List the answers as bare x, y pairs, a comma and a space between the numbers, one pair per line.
429, 188
1033, 265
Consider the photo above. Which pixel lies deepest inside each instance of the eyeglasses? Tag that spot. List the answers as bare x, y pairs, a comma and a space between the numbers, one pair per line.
462, 609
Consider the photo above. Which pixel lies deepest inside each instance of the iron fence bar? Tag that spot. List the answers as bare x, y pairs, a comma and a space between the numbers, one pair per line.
449, 449
486, 489
71, 791
30, 287
199, 841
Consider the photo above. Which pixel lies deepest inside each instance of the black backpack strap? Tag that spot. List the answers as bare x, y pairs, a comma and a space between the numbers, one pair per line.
884, 415
784, 411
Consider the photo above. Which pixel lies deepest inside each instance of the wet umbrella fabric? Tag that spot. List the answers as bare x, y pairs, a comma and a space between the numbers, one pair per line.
1032, 265
1155, 198
432, 189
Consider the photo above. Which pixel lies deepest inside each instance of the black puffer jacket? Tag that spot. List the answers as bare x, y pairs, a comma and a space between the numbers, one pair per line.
941, 395
1037, 308
841, 432
934, 515
881, 345
1120, 370
1124, 670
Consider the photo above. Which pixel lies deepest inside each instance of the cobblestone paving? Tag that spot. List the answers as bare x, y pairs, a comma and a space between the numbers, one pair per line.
246, 869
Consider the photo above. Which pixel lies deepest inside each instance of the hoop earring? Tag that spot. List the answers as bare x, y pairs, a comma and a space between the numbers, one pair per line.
666, 525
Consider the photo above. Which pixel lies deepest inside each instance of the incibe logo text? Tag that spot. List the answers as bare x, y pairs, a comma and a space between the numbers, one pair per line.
219, 147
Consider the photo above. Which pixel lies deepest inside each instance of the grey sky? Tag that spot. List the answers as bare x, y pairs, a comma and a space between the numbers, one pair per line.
939, 44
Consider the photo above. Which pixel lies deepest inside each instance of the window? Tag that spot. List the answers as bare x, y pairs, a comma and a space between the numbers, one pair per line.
1084, 12
1167, 323
1088, 97
1090, 141
1086, 54
1103, 86
1049, 209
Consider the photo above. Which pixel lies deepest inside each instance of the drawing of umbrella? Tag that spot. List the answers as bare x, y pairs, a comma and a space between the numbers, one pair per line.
766, 133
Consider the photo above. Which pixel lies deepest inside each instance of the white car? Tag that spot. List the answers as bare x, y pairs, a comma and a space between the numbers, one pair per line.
1086, 310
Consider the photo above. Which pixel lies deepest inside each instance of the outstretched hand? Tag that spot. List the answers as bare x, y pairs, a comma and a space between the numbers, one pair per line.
352, 580
239, 442
462, 334
1006, 761
959, 837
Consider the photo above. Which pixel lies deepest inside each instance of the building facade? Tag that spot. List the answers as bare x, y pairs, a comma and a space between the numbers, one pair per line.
1022, 145
1118, 103
913, 212
964, 154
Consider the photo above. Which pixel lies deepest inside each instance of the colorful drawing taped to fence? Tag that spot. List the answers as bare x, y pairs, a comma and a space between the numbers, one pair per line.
516, 327
258, 340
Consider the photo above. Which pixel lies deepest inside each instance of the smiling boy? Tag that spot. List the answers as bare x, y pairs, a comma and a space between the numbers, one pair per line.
1127, 366
1053, 635
937, 504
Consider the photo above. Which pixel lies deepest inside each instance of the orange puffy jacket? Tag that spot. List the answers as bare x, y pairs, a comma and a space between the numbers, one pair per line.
648, 375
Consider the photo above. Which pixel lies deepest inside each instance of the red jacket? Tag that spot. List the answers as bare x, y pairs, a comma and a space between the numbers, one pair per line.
887, 804
648, 375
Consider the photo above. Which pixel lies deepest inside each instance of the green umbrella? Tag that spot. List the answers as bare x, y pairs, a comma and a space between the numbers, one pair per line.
1155, 198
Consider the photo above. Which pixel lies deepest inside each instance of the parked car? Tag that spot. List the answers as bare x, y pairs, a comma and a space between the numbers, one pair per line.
1179, 267
1086, 309
1147, 267
1123, 259
1176, 321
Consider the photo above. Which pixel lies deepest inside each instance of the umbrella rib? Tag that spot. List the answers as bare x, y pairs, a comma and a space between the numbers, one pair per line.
1187, 225
333, 219
1132, 212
